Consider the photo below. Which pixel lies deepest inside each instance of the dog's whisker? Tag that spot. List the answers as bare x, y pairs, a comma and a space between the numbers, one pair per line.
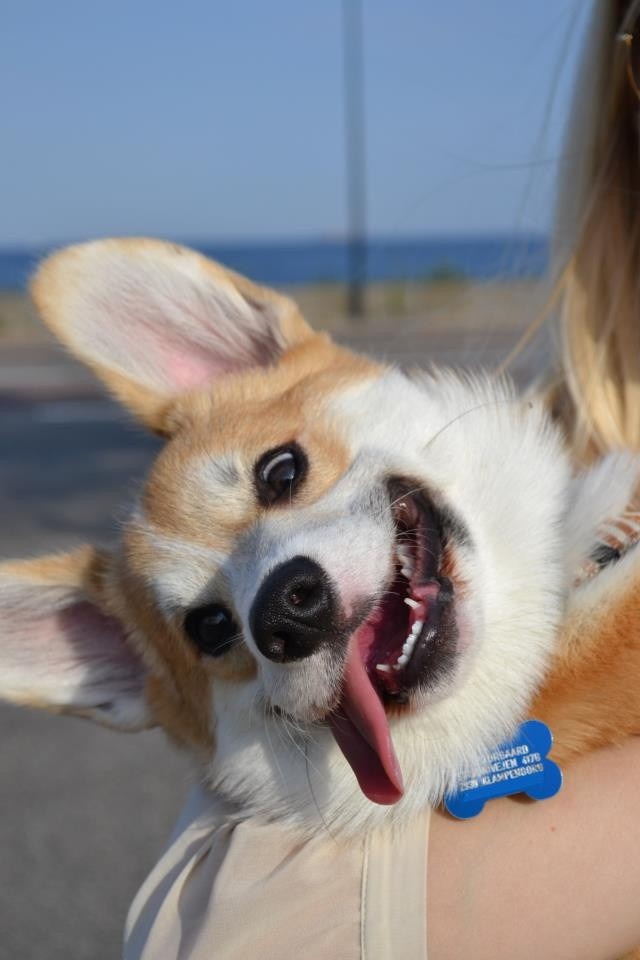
274, 752
314, 798
461, 416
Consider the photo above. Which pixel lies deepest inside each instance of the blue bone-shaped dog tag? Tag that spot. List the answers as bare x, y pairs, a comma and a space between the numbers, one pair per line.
519, 766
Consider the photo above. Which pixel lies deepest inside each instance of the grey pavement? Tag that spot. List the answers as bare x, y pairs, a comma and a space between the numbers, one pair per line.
83, 811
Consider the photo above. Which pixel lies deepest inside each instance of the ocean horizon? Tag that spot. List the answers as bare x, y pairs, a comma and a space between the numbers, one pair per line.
307, 261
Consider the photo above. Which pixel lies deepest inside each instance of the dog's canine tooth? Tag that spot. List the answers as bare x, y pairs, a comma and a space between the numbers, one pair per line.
410, 602
383, 667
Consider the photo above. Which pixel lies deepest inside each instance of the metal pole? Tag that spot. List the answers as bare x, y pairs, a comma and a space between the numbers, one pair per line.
355, 157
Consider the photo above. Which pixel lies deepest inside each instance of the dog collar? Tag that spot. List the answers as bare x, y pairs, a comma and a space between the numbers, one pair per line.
613, 541
520, 765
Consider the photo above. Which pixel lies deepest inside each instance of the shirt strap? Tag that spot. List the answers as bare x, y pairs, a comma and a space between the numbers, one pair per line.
394, 892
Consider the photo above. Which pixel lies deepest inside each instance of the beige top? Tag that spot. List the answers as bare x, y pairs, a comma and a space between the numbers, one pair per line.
233, 891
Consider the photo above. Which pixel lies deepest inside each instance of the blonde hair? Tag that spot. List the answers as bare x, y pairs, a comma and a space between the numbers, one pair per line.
597, 242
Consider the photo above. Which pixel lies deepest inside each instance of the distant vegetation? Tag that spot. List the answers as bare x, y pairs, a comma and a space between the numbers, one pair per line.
446, 273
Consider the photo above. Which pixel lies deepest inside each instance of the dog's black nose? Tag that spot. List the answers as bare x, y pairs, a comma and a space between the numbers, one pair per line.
294, 611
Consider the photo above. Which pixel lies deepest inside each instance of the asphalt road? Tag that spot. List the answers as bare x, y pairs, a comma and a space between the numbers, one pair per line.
84, 812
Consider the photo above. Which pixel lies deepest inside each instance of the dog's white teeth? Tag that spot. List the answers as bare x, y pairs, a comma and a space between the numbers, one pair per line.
410, 602
405, 556
383, 667
409, 643
408, 646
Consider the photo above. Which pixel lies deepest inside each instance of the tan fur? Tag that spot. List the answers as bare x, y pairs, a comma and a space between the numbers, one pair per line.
75, 569
590, 698
247, 414
179, 686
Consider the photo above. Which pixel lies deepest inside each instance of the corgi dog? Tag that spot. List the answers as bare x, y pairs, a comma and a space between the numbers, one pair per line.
342, 584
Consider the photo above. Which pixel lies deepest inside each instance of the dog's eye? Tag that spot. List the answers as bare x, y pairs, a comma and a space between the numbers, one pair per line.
211, 629
279, 472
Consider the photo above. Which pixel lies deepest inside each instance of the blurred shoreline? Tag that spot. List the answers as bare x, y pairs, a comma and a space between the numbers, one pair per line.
313, 261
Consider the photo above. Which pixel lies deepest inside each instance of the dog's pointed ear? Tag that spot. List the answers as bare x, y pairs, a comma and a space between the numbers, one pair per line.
60, 651
155, 320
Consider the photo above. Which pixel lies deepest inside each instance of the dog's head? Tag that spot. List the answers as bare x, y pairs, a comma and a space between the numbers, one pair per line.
330, 560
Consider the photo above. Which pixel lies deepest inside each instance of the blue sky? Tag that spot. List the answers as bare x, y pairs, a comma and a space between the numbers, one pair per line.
224, 120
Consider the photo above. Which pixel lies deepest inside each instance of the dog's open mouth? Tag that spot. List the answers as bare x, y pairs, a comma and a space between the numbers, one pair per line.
402, 645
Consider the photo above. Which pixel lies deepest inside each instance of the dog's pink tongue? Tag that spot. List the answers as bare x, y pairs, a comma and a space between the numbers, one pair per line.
362, 732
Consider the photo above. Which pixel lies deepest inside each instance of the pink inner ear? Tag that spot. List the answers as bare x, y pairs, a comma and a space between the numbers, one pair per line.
189, 371
89, 637
174, 330
59, 649
190, 366
76, 656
